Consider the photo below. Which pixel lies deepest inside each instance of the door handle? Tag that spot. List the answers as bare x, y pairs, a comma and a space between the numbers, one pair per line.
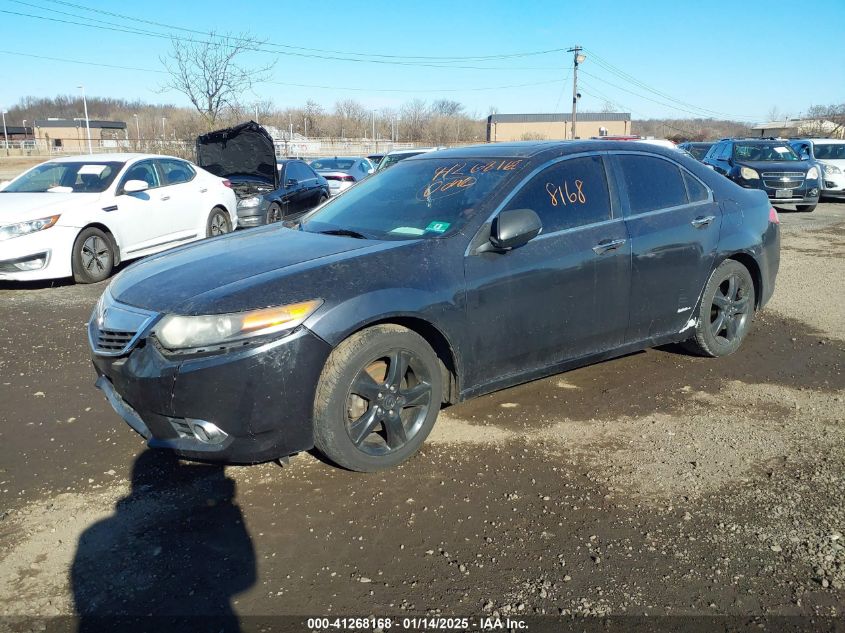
703, 220
607, 245
203, 189
165, 197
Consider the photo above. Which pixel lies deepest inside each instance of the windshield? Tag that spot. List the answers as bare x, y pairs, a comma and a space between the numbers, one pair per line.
419, 198
391, 159
61, 177
334, 163
829, 151
764, 152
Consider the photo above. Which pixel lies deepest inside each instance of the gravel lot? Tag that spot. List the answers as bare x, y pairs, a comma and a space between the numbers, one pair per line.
657, 483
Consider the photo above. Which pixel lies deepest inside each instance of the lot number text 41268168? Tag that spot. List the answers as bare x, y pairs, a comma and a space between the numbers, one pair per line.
415, 624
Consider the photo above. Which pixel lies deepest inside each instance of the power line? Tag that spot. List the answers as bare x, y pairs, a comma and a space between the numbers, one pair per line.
282, 83
303, 48
255, 47
618, 72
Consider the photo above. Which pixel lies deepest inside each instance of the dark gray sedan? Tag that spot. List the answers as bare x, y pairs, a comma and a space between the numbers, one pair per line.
452, 274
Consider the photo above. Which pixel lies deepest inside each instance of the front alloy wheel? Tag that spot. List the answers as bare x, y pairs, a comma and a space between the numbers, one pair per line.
378, 398
218, 223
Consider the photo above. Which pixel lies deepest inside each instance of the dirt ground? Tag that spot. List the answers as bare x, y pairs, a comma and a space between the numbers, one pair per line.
655, 484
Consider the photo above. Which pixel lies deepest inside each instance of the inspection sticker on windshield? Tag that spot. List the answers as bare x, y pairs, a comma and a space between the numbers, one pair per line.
438, 227
781, 150
94, 170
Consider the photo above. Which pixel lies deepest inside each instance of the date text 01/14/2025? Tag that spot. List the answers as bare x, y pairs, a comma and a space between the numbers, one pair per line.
415, 624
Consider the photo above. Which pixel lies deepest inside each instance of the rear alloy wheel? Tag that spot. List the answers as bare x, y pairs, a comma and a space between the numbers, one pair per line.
726, 311
93, 256
323, 198
274, 213
378, 398
805, 208
218, 223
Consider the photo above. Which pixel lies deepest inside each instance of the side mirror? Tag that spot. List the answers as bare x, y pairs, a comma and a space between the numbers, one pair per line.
291, 182
134, 186
514, 228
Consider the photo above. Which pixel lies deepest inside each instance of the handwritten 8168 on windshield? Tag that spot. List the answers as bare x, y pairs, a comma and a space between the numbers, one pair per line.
561, 195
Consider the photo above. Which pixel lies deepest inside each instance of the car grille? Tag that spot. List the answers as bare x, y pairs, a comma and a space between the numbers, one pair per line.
783, 179
112, 341
115, 327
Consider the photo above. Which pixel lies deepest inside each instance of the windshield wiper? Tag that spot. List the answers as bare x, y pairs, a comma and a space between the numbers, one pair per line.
344, 232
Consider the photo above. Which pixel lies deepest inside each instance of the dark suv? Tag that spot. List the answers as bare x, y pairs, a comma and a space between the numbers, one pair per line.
768, 164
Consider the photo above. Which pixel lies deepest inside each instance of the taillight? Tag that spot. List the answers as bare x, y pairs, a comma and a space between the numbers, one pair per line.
773, 216
227, 183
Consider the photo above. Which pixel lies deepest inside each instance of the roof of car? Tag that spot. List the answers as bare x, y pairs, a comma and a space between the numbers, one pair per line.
825, 141
531, 149
122, 157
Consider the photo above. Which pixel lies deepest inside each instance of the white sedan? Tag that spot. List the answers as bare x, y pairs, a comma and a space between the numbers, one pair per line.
80, 216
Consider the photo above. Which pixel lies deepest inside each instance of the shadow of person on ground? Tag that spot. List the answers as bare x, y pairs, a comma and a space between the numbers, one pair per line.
175, 549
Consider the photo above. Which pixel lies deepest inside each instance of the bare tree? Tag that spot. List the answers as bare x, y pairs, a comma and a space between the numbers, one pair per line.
834, 113
208, 71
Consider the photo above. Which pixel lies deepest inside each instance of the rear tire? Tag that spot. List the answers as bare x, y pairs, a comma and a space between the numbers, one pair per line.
218, 223
378, 398
92, 260
726, 311
806, 208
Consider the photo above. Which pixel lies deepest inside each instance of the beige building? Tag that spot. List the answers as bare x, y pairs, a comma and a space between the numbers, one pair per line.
71, 135
800, 127
536, 127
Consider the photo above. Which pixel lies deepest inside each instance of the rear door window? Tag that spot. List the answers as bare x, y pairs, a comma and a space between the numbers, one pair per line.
696, 191
174, 172
568, 194
652, 183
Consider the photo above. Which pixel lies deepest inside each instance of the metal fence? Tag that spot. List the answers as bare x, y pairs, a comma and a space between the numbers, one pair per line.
296, 148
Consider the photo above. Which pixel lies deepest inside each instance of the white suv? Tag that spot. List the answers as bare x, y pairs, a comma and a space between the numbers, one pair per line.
829, 154
82, 215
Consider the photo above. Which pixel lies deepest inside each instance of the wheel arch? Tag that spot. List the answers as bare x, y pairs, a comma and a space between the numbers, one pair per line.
438, 342
748, 260
105, 229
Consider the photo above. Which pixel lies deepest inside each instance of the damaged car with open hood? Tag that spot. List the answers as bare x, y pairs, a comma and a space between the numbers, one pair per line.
268, 189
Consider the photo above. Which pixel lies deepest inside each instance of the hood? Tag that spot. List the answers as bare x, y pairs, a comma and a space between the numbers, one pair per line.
245, 151
21, 207
776, 165
192, 279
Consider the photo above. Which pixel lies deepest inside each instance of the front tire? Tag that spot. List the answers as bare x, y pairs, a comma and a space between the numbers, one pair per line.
805, 208
726, 310
274, 213
378, 398
92, 260
218, 223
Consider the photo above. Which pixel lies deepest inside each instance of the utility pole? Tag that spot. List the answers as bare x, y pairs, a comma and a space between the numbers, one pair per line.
87, 121
5, 133
577, 58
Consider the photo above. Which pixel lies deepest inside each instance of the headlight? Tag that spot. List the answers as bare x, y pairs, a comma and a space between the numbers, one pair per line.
812, 173
252, 201
830, 170
188, 332
749, 174
24, 228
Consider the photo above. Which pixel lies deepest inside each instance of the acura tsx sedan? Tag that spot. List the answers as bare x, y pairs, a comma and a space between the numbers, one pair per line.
453, 274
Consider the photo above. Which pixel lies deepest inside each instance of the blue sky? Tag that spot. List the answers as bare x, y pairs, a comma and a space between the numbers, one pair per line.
653, 58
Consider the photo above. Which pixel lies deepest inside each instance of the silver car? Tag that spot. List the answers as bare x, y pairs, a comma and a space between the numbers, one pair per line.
342, 173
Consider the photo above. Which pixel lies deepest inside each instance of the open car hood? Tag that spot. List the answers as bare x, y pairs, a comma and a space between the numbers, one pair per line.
245, 151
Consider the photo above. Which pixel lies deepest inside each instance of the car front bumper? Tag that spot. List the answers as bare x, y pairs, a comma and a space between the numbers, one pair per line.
49, 249
834, 185
260, 398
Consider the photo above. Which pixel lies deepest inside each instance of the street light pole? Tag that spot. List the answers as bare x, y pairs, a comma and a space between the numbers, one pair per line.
87, 121
137, 131
5, 134
577, 58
